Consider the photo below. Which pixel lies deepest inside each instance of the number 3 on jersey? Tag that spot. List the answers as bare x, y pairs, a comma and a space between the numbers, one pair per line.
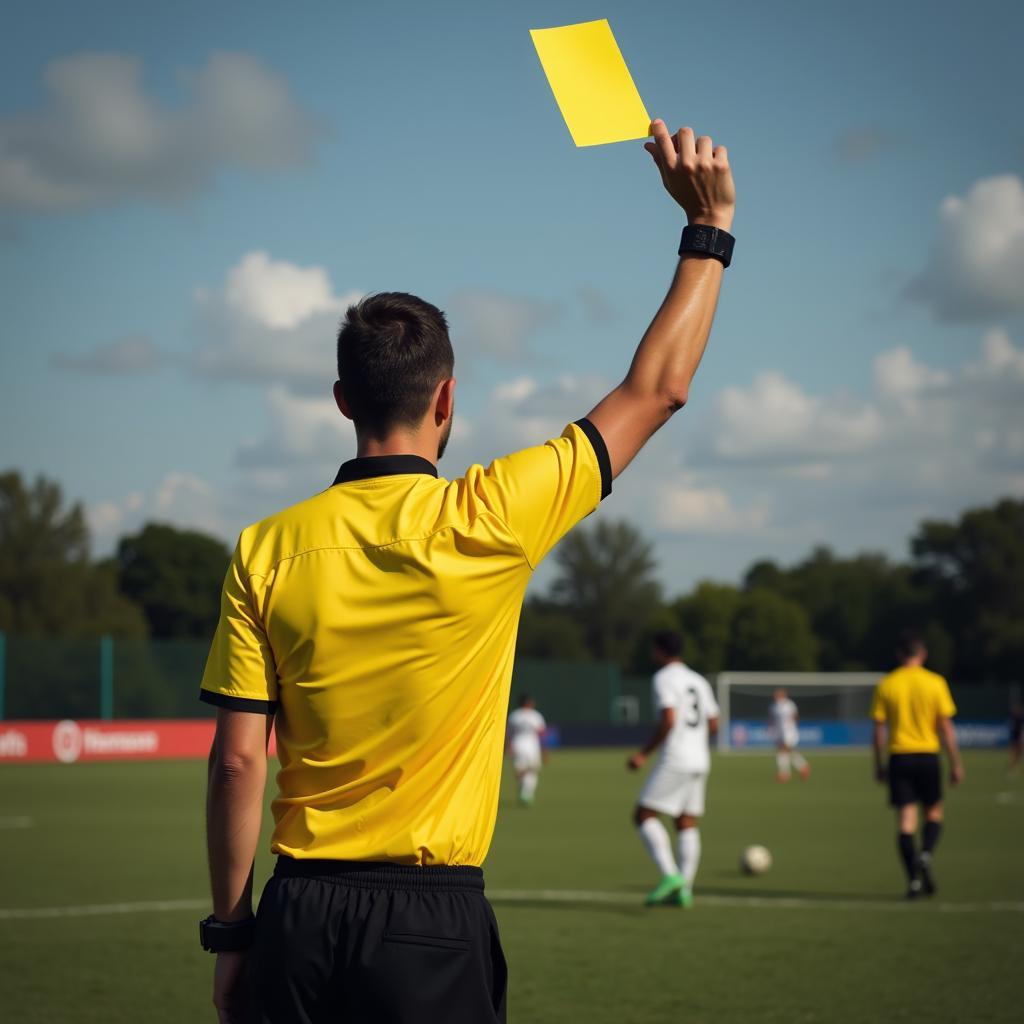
692, 719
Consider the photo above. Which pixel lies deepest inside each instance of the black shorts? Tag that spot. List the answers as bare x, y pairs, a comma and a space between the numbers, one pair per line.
914, 779
364, 943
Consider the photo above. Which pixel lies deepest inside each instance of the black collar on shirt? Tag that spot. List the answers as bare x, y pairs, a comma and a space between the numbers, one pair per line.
370, 466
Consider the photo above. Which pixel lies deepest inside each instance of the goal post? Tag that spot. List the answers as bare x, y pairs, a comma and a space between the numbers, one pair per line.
833, 707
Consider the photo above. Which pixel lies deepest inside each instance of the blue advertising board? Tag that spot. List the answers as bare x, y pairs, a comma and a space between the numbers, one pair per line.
753, 734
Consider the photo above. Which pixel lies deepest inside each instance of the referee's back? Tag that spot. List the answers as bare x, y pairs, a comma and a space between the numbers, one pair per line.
910, 701
378, 620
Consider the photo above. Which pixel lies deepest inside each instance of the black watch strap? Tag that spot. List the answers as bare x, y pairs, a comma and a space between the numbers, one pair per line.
226, 936
708, 240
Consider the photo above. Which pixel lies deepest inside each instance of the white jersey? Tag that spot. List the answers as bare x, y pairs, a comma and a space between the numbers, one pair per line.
525, 726
686, 747
783, 716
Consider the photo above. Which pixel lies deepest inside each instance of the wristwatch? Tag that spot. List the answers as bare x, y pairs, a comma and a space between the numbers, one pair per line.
226, 936
708, 240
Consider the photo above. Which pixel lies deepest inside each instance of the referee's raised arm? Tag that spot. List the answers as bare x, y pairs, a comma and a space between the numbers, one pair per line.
697, 176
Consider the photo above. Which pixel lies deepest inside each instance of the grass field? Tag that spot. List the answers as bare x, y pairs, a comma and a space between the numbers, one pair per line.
823, 937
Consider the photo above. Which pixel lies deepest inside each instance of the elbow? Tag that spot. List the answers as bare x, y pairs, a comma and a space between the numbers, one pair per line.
674, 396
230, 765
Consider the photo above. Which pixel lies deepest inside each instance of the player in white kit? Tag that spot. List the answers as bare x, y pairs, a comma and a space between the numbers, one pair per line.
687, 716
526, 725
784, 720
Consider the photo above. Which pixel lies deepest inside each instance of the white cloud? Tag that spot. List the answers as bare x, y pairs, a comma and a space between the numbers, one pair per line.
277, 294
272, 321
976, 266
1001, 361
898, 375
489, 323
133, 354
102, 137
687, 508
180, 499
304, 433
914, 408
776, 419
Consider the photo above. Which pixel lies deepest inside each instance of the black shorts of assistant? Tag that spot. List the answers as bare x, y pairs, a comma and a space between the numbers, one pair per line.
914, 779
372, 943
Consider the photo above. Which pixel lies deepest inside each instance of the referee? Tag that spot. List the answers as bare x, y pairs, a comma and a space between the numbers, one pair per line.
373, 627
916, 708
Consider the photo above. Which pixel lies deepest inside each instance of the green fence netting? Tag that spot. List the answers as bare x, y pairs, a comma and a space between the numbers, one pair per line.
105, 677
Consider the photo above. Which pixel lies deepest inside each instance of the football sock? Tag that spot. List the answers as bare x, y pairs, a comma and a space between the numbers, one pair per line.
908, 854
528, 785
782, 763
658, 844
689, 854
930, 835
799, 761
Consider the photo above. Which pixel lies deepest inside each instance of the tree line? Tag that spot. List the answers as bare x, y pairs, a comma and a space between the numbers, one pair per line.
962, 586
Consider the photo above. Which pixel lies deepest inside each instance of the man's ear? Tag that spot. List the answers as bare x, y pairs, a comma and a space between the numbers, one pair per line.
339, 398
444, 401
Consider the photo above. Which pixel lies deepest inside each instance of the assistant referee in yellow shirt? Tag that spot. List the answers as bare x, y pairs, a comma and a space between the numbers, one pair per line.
373, 627
916, 708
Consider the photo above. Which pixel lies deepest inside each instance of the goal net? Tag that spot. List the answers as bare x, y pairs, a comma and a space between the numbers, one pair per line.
833, 707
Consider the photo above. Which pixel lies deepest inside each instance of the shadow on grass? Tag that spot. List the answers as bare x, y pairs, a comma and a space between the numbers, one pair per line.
590, 906
621, 903
819, 896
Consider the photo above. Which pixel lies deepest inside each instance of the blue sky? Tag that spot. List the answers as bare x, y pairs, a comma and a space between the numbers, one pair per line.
188, 196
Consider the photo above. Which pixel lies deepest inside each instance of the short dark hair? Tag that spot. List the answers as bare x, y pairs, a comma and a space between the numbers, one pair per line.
393, 350
910, 644
668, 642
524, 699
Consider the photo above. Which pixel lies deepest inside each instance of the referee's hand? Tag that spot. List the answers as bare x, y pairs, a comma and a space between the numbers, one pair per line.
231, 988
695, 174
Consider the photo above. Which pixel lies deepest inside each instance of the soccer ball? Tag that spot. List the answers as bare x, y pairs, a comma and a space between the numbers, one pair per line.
755, 860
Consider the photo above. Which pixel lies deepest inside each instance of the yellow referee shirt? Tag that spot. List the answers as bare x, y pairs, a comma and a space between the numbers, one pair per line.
378, 620
911, 701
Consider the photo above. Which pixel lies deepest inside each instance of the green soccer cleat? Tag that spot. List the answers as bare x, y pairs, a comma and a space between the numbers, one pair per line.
682, 898
665, 891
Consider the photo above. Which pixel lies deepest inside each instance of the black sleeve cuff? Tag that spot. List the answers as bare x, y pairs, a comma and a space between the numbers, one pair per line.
601, 451
223, 700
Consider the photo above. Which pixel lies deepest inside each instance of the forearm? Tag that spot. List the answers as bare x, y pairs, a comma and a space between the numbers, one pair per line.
673, 345
656, 739
234, 810
878, 744
947, 737
658, 382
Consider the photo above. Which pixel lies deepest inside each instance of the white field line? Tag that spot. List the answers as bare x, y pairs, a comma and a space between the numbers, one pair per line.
538, 896
775, 902
100, 909
20, 821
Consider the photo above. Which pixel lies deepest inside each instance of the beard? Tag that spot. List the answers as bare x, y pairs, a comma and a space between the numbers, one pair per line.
443, 443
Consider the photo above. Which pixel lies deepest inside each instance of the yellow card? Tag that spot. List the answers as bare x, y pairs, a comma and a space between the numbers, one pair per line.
591, 83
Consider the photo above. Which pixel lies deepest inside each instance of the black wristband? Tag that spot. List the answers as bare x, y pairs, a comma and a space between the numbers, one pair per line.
708, 240
226, 936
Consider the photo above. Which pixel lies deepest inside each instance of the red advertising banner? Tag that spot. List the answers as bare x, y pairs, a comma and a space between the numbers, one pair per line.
92, 740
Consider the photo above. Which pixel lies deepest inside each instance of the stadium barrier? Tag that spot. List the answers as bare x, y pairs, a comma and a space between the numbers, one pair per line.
69, 741
151, 685
755, 734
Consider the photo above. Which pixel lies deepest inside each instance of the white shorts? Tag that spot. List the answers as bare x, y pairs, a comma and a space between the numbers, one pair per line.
673, 792
789, 739
526, 757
